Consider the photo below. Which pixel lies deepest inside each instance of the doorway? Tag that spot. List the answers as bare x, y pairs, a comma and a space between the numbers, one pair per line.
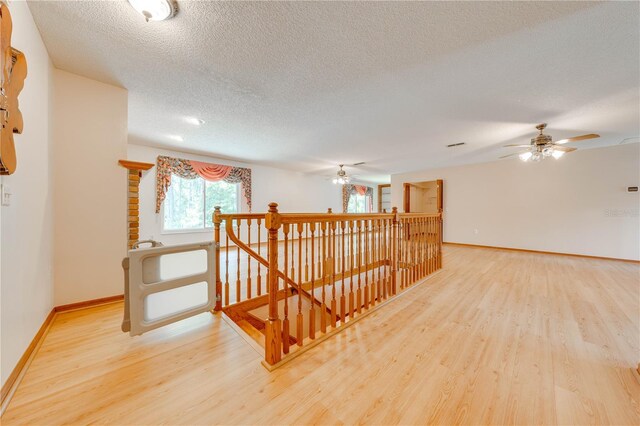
423, 197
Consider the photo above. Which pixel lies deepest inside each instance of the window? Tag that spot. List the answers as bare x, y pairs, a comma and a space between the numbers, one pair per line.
359, 204
189, 203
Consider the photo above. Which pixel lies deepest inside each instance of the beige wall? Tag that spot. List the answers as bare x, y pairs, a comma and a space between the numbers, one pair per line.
26, 247
90, 136
577, 204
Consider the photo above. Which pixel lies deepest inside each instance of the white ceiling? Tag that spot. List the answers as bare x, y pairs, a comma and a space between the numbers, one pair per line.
305, 85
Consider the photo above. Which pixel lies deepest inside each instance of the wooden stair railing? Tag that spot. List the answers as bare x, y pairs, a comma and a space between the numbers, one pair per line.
323, 270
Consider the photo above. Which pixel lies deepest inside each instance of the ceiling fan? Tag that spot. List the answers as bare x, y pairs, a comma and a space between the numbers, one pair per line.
542, 146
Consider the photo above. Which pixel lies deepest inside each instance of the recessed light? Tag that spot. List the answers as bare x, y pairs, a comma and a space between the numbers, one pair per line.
195, 121
176, 138
155, 10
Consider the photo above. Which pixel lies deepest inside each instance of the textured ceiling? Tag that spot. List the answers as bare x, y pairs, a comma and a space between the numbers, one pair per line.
306, 85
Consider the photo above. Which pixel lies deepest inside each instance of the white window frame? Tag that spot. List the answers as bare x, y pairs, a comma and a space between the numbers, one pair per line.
205, 229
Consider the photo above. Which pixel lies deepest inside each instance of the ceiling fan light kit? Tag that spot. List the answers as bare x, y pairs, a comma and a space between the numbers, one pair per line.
341, 177
542, 146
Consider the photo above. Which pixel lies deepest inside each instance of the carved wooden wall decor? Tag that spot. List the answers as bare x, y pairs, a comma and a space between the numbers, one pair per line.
13, 67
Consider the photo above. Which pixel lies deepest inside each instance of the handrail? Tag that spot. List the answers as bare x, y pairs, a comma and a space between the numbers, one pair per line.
230, 216
233, 237
418, 215
333, 267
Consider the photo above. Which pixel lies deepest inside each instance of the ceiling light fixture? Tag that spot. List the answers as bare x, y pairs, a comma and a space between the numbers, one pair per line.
341, 177
538, 153
176, 138
155, 10
195, 121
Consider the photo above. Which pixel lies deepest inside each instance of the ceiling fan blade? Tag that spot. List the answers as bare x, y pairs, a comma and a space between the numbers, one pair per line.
515, 153
577, 138
517, 145
564, 148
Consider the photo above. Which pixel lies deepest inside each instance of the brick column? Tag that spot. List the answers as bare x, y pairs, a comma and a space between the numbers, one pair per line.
134, 174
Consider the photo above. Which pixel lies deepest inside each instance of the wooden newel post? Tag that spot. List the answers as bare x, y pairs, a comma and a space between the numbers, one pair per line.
394, 250
273, 338
216, 237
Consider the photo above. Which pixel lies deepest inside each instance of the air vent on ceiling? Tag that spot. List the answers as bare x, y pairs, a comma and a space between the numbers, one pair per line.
630, 140
456, 144
358, 164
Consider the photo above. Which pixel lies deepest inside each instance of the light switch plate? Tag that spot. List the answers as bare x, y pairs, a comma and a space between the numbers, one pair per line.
5, 194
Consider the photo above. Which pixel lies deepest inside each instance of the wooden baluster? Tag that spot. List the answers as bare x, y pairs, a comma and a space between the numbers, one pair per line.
267, 272
386, 224
238, 282
425, 248
403, 231
427, 223
299, 318
334, 307
367, 285
306, 254
216, 237
352, 249
406, 252
382, 294
273, 329
285, 322
410, 230
312, 310
365, 262
373, 293
375, 289
292, 255
439, 241
357, 249
319, 263
434, 242
361, 259
424, 234
343, 310
249, 259
431, 247
433, 235
226, 272
259, 278
343, 303
418, 248
394, 254
412, 241
322, 259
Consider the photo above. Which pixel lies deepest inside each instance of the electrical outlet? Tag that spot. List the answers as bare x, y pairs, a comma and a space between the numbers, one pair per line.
475, 231
5, 194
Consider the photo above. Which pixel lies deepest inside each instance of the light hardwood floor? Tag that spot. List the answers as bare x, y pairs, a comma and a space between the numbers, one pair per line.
497, 337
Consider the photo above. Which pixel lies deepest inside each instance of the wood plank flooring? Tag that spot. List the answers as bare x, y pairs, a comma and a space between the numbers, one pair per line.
497, 337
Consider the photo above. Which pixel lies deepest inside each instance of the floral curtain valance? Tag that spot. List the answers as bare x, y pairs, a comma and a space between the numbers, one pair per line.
348, 190
189, 169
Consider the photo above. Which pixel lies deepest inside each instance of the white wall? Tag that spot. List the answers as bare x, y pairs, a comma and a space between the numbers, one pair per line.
577, 204
293, 191
27, 224
90, 136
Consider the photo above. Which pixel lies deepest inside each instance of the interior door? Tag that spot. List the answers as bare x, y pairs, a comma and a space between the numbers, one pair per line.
167, 284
